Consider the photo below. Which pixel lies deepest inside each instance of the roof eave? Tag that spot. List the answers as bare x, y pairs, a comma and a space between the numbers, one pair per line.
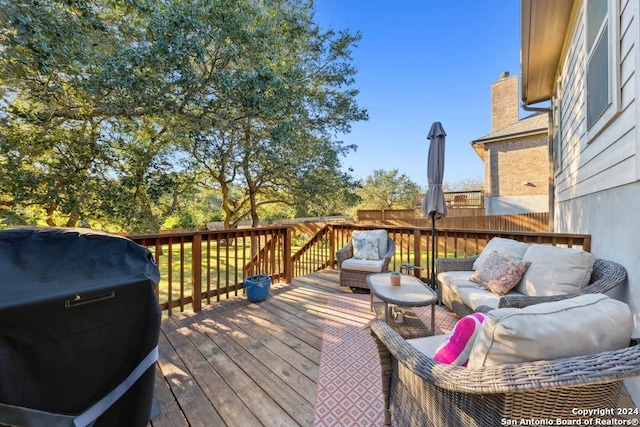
479, 149
510, 136
543, 27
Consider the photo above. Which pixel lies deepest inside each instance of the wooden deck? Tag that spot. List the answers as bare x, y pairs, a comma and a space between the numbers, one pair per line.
241, 364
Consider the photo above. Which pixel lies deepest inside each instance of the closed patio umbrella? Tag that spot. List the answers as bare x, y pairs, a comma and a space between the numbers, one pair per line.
433, 204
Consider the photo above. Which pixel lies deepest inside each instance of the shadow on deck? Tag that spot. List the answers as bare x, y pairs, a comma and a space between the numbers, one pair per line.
237, 363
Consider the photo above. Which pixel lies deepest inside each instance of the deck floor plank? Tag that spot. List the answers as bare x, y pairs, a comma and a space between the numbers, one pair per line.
241, 364
195, 406
279, 364
295, 336
263, 369
205, 362
171, 414
297, 315
236, 363
275, 339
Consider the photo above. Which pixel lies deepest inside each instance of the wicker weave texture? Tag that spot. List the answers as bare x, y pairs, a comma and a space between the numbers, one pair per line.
421, 392
358, 279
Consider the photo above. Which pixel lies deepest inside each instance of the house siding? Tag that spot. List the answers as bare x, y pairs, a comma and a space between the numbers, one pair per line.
597, 177
582, 162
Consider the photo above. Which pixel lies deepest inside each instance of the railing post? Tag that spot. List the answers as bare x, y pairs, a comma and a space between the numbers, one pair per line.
417, 254
288, 264
196, 271
332, 246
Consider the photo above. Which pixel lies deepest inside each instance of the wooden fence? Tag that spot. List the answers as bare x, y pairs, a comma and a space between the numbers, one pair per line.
458, 199
538, 222
367, 215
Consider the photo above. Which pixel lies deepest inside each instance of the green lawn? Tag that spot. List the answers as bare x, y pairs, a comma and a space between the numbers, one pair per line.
226, 271
222, 271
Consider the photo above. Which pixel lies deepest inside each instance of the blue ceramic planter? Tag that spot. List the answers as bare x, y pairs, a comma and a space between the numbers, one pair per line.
257, 287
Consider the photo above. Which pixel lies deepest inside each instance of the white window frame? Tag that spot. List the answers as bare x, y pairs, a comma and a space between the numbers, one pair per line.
556, 106
612, 110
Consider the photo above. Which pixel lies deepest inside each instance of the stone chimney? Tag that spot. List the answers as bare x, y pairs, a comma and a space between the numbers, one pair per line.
504, 101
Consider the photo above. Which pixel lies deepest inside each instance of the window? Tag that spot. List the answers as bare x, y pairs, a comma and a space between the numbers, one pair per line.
602, 48
598, 65
557, 127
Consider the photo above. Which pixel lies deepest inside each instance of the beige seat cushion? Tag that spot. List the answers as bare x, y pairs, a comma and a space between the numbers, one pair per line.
380, 235
579, 326
475, 297
428, 345
555, 270
470, 293
457, 279
373, 266
507, 247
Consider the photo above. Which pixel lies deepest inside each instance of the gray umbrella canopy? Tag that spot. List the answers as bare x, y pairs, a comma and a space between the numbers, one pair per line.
433, 204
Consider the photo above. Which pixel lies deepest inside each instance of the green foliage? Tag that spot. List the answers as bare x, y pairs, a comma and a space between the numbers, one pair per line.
123, 113
388, 190
466, 184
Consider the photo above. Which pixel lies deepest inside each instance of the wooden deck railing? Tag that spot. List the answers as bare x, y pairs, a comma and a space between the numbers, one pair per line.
202, 266
205, 266
413, 244
317, 254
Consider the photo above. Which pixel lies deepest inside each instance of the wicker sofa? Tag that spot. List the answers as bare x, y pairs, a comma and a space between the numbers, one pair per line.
463, 297
354, 272
419, 391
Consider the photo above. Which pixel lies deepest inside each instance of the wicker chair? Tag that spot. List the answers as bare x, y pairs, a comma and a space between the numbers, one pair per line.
421, 392
606, 275
355, 279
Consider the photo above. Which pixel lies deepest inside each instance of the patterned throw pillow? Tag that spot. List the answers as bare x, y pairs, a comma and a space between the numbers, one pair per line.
365, 248
499, 273
456, 349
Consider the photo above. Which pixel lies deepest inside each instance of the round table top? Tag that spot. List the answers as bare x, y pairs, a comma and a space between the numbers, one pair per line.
412, 291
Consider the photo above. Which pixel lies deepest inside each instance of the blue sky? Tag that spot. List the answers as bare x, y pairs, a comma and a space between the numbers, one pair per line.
422, 61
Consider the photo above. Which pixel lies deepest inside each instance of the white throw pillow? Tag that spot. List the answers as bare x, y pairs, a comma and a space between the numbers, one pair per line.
555, 270
507, 247
365, 248
380, 235
579, 326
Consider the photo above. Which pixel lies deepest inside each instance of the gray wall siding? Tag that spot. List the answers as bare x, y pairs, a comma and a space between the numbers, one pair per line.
598, 176
609, 159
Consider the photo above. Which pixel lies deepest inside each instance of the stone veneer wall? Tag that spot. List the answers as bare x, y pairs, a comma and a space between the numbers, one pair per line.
504, 102
511, 164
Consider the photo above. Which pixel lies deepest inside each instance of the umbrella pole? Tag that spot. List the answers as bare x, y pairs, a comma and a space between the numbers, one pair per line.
433, 252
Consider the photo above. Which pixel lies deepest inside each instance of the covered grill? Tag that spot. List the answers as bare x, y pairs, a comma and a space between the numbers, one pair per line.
79, 325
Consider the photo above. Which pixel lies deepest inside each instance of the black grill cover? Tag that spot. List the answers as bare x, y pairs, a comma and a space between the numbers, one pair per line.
78, 313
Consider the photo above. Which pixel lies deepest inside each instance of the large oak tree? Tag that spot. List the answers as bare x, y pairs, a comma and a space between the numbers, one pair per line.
111, 112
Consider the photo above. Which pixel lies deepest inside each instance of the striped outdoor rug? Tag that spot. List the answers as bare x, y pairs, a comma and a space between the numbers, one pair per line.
349, 389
